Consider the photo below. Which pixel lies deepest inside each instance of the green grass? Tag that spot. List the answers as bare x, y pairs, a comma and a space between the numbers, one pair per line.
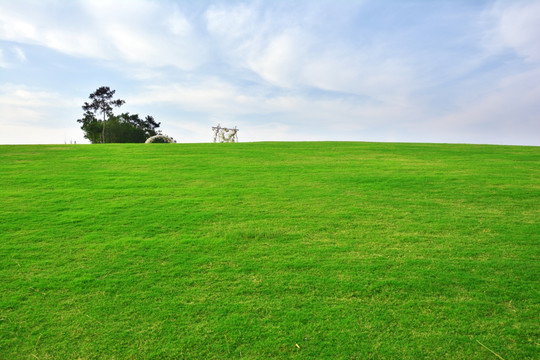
269, 250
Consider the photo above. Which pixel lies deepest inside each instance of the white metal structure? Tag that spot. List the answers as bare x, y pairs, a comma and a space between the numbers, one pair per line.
225, 135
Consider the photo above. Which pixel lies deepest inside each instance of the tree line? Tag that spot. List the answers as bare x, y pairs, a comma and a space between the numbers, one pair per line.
100, 125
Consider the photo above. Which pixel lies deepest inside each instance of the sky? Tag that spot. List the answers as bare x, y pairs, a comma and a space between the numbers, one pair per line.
437, 71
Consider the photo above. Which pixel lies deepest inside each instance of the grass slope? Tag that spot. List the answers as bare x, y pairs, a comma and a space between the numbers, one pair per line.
269, 250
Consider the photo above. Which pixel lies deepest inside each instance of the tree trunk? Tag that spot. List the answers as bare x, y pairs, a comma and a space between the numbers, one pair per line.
103, 133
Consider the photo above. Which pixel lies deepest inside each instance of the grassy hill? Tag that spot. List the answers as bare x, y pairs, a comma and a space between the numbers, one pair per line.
269, 250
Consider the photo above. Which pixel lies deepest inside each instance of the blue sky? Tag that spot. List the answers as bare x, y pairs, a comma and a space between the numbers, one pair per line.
368, 70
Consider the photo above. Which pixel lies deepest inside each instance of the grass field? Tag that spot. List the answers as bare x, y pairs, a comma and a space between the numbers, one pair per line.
269, 250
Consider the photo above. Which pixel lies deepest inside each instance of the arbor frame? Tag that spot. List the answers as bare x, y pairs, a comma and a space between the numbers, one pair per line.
225, 135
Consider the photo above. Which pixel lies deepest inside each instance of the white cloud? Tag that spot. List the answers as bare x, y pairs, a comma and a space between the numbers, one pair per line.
505, 115
287, 51
232, 22
178, 24
517, 27
285, 70
3, 62
40, 134
31, 115
379, 78
17, 95
149, 33
14, 27
37, 23
280, 61
210, 95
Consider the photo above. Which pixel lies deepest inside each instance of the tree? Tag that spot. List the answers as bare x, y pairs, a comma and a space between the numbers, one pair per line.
92, 128
127, 128
124, 128
102, 102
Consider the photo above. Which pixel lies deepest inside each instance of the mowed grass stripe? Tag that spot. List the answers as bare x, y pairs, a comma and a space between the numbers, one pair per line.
281, 250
